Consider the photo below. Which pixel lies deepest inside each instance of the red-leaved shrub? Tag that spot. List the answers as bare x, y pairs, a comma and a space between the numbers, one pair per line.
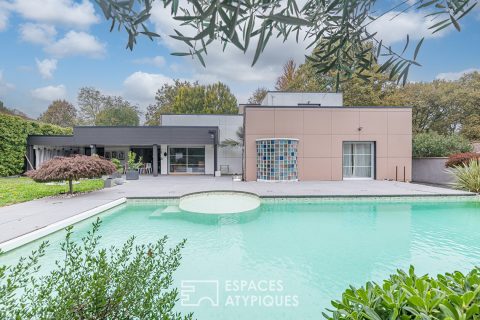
72, 168
461, 159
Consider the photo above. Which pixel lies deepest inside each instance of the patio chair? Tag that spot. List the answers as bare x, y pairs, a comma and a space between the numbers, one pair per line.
148, 168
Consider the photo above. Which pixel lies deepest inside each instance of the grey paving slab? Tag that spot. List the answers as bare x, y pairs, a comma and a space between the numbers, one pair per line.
22, 218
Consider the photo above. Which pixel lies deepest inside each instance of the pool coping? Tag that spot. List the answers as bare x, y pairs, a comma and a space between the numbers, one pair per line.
59, 225
56, 226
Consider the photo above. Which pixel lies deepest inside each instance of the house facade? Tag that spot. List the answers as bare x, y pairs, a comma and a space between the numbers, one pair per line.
328, 143
288, 137
169, 149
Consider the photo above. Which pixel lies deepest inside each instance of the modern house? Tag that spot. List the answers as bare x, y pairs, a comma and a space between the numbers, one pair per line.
288, 137
170, 149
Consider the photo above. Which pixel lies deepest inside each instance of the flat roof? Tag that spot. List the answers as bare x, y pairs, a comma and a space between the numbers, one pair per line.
129, 135
316, 106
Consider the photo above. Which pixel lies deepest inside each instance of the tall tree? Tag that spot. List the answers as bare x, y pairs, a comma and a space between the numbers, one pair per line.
190, 98
103, 110
61, 113
288, 75
441, 106
258, 95
118, 112
356, 91
219, 99
90, 102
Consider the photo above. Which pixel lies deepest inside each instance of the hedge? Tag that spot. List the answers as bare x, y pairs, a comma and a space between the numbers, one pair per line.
13, 141
432, 144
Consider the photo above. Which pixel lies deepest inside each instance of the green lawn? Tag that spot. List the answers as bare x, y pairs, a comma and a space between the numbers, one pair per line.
15, 190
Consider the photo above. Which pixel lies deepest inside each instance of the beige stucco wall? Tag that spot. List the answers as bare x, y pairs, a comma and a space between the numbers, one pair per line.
321, 132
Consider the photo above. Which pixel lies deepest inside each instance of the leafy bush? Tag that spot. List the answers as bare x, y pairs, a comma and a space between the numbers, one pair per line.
118, 164
461, 159
13, 140
467, 177
434, 145
131, 282
133, 164
408, 296
72, 168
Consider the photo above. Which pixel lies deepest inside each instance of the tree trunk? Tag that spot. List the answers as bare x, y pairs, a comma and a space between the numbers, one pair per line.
70, 186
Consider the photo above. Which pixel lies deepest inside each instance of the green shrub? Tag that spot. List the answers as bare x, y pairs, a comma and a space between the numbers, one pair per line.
13, 141
118, 164
434, 145
132, 162
90, 282
408, 296
467, 177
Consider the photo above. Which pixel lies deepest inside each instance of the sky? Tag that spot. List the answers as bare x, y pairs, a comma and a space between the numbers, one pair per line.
51, 48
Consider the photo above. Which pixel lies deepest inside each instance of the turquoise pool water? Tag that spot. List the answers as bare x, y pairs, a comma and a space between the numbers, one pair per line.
288, 259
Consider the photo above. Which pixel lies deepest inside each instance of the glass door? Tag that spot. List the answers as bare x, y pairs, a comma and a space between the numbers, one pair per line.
186, 160
358, 160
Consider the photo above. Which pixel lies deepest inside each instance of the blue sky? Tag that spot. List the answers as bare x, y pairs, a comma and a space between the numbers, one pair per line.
54, 47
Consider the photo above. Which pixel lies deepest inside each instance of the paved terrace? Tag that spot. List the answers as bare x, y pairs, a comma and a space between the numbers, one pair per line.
22, 218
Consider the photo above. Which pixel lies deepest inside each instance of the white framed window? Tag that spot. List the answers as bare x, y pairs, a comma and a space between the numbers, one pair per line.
358, 160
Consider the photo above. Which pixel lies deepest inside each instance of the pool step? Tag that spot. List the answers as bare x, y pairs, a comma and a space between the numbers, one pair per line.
169, 209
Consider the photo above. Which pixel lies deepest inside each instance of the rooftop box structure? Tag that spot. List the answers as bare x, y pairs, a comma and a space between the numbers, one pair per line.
290, 99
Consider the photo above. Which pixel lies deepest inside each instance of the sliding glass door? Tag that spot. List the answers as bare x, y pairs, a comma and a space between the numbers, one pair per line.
358, 160
186, 160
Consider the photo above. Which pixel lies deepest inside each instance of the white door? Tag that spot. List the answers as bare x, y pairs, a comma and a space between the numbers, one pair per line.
358, 160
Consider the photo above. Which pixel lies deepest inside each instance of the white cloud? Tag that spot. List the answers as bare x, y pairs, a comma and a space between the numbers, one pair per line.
46, 67
141, 86
392, 28
157, 61
4, 85
37, 33
451, 76
65, 12
77, 43
50, 93
3, 18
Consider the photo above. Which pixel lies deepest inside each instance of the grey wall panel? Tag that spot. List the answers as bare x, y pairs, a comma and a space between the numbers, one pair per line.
50, 140
431, 170
127, 136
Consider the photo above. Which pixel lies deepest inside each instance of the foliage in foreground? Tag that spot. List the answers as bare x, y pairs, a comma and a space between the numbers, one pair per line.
409, 296
131, 282
13, 140
434, 145
72, 168
467, 177
21, 189
343, 25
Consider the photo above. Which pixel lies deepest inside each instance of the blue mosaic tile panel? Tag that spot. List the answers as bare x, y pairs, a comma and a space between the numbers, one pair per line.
277, 159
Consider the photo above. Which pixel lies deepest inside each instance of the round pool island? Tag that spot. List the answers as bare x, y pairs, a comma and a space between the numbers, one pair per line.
219, 202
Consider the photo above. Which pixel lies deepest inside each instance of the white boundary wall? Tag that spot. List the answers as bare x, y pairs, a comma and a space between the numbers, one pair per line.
431, 170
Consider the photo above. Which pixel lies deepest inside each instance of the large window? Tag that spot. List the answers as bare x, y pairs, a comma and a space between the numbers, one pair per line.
186, 159
358, 160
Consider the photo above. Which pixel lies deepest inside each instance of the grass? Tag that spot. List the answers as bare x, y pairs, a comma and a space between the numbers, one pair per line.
21, 189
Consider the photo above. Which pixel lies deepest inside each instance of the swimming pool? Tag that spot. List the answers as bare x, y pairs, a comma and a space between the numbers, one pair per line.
290, 257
